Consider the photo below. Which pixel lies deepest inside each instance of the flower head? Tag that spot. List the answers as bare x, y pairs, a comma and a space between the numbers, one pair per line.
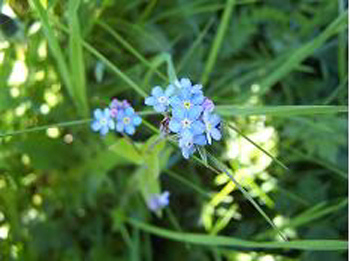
190, 114
102, 121
160, 99
158, 201
211, 122
117, 105
127, 120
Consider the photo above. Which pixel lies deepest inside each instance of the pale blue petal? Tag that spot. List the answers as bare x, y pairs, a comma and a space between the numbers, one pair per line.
95, 126
136, 120
200, 140
170, 90
129, 111
130, 129
120, 126
175, 101
106, 113
197, 127
98, 113
215, 133
111, 124
195, 112
198, 98
157, 91
104, 130
174, 125
160, 108
209, 139
185, 83
150, 101
214, 119
179, 113
120, 115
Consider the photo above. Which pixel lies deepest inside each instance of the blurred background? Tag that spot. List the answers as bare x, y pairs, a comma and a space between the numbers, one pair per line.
67, 194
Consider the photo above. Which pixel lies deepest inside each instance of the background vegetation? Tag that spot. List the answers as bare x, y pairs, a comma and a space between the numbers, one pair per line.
277, 71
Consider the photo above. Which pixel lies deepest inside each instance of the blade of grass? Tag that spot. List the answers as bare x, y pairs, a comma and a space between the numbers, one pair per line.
224, 241
194, 46
281, 111
258, 146
223, 169
225, 20
76, 58
45, 127
303, 52
129, 47
308, 217
55, 48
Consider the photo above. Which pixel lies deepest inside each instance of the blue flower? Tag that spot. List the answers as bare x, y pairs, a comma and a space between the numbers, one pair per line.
160, 99
102, 121
211, 122
208, 105
158, 201
187, 99
116, 106
187, 143
188, 121
127, 120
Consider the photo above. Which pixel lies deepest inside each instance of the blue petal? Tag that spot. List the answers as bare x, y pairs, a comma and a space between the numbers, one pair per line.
95, 126
104, 130
170, 90
160, 108
185, 83
215, 133
120, 126
120, 115
150, 101
129, 111
98, 113
157, 91
198, 98
214, 119
197, 127
187, 152
195, 112
175, 101
111, 124
200, 140
179, 113
186, 93
136, 120
106, 113
209, 139
174, 125
130, 129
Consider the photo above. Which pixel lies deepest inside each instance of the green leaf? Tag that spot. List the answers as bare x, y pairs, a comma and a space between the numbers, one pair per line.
126, 149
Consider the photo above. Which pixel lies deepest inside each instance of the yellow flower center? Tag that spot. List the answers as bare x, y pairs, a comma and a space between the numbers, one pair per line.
209, 127
187, 105
126, 120
103, 121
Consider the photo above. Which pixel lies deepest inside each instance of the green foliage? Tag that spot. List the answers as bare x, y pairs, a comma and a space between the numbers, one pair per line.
277, 72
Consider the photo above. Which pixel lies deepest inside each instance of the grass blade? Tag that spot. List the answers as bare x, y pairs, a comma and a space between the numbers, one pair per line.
224, 241
225, 20
303, 52
258, 146
281, 111
76, 58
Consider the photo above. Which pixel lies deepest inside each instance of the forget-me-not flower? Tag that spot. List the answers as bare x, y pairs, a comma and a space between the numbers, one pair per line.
102, 121
160, 99
188, 141
127, 120
116, 106
158, 201
186, 121
211, 122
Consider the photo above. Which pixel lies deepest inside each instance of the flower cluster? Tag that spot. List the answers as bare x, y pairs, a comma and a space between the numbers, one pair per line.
190, 112
119, 116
